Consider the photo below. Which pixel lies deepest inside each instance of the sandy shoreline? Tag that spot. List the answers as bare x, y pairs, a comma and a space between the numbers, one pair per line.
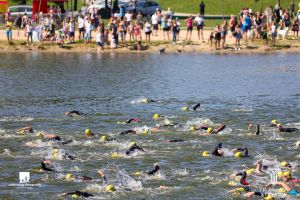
157, 42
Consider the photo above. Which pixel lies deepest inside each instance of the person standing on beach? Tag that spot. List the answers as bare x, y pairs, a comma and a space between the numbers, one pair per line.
274, 32
29, 29
200, 23
237, 35
148, 32
189, 24
217, 37
174, 31
202, 9
99, 40
81, 23
154, 20
224, 34
8, 25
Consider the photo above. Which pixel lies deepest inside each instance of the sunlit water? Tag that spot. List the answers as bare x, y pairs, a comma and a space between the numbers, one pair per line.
36, 89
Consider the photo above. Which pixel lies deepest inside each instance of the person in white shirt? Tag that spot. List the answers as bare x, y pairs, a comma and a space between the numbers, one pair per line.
148, 31
99, 40
81, 23
88, 33
29, 29
128, 17
200, 23
274, 32
154, 20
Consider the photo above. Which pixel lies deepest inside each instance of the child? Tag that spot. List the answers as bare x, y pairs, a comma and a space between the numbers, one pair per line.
210, 39
296, 28
99, 40
237, 34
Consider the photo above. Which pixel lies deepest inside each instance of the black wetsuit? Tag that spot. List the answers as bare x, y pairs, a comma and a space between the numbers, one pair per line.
75, 112
66, 142
215, 151
45, 168
56, 138
133, 148
288, 130
243, 180
257, 129
196, 107
152, 172
132, 120
70, 157
175, 140
127, 131
81, 194
246, 153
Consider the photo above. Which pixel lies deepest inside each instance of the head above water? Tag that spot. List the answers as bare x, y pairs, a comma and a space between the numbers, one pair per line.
110, 188
88, 132
210, 130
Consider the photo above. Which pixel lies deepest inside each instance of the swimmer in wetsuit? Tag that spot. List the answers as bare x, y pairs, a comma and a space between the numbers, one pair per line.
245, 150
210, 130
127, 132
175, 140
136, 120
74, 113
44, 167
218, 150
156, 169
133, 147
27, 129
196, 107
288, 130
77, 193
257, 131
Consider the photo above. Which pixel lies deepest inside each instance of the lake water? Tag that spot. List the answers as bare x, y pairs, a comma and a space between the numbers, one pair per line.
36, 89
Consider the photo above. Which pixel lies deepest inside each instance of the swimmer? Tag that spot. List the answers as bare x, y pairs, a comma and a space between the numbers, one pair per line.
69, 156
105, 138
44, 167
133, 147
262, 194
156, 169
289, 189
240, 190
50, 137
288, 130
73, 113
216, 131
260, 167
274, 123
218, 150
285, 164
71, 177
101, 173
147, 100
298, 144
238, 153
136, 120
175, 140
27, 129
243, 175
127, 131
257, 132
77, 194
196, 107
89, 133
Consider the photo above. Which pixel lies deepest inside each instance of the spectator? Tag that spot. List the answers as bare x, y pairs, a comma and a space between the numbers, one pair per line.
202, 8
8, 25
200, 23
189, 24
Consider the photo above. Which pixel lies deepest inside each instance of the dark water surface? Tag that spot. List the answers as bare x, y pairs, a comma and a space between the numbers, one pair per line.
36, 89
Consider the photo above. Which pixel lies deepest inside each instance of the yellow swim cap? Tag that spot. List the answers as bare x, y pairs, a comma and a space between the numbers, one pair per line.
69, 177
274, 121
280, 174
55, 156
298, 144
282, 190
104, 138
132, 143
287, 174
137, 173
232, 183
185, 108
238, 154
193, 128
88, 132
55, 151
39, 134
75, 196
240, 189
205, 154
210, 130
115, 155
269, 197
284, 164
21, 132
155, 116
110, 188
146, 131
249, 171
279, 125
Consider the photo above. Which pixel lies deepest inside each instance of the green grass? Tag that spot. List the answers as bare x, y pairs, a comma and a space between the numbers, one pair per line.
213, 7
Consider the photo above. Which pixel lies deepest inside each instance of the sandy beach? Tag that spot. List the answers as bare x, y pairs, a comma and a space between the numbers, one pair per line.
157, 42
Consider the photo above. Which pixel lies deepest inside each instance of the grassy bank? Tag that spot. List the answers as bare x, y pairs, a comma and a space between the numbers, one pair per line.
213, 7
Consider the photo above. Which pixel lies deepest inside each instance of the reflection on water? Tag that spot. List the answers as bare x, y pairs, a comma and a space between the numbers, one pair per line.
36, 89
